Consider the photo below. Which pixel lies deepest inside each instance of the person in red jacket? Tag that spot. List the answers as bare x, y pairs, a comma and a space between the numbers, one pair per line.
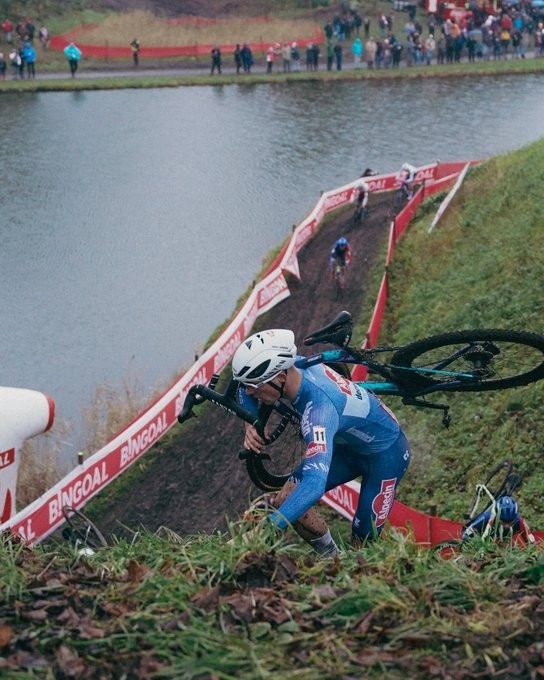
7, 27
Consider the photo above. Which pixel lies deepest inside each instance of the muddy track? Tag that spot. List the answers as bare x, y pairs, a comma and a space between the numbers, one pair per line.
193, 483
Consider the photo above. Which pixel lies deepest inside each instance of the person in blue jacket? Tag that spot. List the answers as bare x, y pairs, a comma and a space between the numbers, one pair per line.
348, 432
73, 54
29, 56
357, 49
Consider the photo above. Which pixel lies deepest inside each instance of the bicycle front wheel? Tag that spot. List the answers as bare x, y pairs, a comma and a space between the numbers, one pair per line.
82, 532
476, 360
270, 469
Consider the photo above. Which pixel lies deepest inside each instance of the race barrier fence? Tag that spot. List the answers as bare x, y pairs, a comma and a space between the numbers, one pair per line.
107, 51
42, 517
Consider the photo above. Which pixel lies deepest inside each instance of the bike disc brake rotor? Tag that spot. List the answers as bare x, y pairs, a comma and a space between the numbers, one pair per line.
480, 357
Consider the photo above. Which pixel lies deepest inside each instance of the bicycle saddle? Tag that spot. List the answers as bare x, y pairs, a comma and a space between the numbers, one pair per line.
337, 332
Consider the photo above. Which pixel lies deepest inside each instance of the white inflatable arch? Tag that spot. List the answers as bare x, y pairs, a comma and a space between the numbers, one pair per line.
23, 414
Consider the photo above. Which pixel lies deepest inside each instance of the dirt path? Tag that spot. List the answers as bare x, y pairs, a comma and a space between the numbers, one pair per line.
193, 483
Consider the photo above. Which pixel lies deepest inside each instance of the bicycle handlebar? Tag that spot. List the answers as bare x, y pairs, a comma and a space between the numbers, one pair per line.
198, 394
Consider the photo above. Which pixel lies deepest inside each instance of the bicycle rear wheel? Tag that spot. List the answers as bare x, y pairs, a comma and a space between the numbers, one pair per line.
493, 360
357, 215
270, 469
399, 199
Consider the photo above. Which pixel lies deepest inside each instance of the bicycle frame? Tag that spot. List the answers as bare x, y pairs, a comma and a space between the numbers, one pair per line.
389, 387
338, 332
481, 490
227, 400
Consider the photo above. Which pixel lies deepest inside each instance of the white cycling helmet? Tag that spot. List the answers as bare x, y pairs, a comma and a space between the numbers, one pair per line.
263, 355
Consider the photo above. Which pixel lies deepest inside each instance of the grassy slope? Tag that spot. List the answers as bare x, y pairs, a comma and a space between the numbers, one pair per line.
481, 267
201, 608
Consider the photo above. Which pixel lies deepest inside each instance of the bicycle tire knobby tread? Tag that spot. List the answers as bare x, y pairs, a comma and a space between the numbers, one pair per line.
406, 356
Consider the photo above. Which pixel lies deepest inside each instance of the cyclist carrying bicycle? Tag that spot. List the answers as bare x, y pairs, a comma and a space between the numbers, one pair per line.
340, 254
348, 432
502, 520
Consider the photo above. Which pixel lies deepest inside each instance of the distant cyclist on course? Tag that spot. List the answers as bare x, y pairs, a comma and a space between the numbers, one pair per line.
502, 521
406, 178
362, 190
340, 254
348, 432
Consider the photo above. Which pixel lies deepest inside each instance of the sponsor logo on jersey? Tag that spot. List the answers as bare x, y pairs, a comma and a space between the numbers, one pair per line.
357, 401
319, 434
343, 384
383, 502
316, 466
305, 420
363, 436
7, 458
314, 448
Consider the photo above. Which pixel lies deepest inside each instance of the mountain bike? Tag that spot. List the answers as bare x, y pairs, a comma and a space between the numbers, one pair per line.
80, 531
359, 214
459, 361
401, 196
501, 481
339, 275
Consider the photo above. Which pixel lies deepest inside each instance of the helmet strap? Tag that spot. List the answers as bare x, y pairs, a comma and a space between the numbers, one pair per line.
279, 388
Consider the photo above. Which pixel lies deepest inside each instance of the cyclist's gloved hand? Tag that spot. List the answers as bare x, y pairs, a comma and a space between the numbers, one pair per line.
252, 440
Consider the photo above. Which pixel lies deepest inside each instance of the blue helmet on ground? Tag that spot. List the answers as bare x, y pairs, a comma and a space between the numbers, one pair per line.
507, 509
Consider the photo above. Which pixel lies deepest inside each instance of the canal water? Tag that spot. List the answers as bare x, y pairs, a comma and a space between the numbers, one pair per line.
131, 221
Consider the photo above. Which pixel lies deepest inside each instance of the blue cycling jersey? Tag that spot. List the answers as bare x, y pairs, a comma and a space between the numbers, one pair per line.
349, 432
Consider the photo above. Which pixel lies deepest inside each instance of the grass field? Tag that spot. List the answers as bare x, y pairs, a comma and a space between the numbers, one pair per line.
119, 29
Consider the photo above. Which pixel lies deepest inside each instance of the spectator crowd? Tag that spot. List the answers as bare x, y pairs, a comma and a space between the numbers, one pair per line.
17, 47
475, 33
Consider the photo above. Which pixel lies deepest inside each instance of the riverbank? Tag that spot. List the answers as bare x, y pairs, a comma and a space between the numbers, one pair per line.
150, 78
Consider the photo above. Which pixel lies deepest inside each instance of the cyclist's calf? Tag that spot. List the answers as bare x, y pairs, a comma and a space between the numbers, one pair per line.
310, 525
